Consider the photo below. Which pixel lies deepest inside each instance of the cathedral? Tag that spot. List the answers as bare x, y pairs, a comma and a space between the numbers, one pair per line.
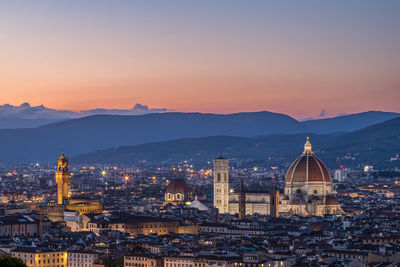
308, 190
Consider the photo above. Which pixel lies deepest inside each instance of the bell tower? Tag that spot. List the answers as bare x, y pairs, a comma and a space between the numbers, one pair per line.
63, 177
221, 184
242, 201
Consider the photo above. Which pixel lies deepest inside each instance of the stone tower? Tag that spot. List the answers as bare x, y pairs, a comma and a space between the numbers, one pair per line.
221, 184
274, 203
63, 177
242, 201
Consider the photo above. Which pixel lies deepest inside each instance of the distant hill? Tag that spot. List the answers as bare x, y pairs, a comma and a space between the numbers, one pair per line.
348, 123
372, 145
27, 116
18, 123
104, 131
204, 149
83, 135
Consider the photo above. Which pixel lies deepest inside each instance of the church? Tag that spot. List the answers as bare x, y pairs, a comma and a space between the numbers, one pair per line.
308, 190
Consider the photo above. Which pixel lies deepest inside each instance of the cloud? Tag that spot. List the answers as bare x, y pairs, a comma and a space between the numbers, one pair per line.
137, 109
26, 111
144, 109
140, 107
322, 114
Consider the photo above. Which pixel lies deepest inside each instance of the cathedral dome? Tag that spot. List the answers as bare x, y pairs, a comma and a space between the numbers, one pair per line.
307, 168
178, 186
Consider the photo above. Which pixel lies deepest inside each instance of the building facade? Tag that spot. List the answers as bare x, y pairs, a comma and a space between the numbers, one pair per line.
34, 257
22, 225
308, 190
228, 201
143, 261
81, 258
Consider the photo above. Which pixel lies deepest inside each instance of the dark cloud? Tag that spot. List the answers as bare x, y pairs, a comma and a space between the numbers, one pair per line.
140, 107
322, 113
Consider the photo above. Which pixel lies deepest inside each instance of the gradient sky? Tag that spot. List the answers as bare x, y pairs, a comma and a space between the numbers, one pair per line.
294, 57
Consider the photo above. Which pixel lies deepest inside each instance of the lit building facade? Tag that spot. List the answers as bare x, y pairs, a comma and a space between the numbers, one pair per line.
308, 190
33, 257
228, 201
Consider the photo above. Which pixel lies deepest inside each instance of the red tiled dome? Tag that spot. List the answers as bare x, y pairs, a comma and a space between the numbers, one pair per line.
307, 168
178, 186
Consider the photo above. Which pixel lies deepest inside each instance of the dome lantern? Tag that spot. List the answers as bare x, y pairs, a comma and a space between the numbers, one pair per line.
308, 147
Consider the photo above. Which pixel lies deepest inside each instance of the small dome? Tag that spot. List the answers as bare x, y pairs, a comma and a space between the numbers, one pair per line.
307, 168
178, 186
332, 200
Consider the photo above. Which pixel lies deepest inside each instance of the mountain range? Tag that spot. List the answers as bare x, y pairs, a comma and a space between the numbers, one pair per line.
98, 132
373, 145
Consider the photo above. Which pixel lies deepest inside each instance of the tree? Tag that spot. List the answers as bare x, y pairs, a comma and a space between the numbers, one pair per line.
9, 261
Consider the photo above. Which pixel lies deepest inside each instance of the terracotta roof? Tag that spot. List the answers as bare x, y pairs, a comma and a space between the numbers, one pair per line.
332, 200
307, 168
178, 186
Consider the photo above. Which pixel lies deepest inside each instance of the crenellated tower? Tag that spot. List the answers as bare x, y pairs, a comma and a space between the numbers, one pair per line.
221, 184
63, 177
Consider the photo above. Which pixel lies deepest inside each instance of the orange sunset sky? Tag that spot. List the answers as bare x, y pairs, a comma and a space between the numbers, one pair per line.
205, 56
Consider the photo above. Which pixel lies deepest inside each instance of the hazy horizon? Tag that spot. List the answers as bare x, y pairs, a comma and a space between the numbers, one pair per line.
140, 109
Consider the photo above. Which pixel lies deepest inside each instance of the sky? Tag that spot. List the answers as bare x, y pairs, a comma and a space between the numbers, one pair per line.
301, 58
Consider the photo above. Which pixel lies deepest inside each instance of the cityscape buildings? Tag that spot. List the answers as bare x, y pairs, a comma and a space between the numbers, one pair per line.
168, 215
199, 133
